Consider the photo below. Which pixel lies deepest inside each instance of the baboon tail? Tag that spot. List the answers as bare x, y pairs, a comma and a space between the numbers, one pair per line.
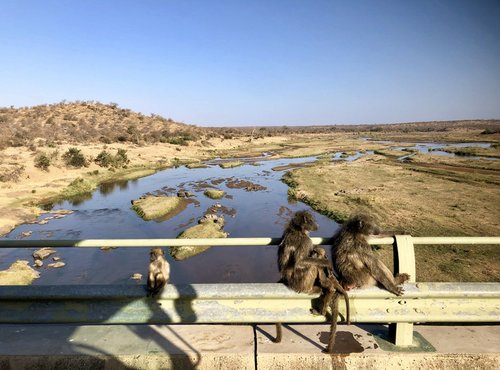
341, 289
278, 333
347, 308
333, 327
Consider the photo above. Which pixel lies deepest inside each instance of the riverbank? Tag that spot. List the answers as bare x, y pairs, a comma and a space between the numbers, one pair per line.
24, 187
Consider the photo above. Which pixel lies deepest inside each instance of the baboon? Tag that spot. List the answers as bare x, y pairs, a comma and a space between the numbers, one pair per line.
159, 271
306, 269
356, 263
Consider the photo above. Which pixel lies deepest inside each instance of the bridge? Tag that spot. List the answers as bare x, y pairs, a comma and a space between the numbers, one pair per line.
112, 306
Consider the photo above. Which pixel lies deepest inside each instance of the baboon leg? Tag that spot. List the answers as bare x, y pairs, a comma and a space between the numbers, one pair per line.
328, 289
278, 333
333, 326
401, 278
332, 286
383, 275
327, 299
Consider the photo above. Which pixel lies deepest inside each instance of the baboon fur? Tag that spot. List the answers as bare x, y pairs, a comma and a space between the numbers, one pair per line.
305, 268
159, 271
356, 263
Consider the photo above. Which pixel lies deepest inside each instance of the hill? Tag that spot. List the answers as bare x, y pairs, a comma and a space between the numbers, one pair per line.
89, 122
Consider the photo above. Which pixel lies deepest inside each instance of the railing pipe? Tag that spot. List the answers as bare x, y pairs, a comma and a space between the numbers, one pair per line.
133, 243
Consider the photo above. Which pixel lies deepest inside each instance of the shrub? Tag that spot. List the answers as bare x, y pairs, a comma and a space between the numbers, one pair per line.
42, 161
104, 159
74, 157
489, 132
121, 158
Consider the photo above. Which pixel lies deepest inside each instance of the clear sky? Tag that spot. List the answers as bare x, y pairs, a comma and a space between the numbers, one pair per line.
249, 62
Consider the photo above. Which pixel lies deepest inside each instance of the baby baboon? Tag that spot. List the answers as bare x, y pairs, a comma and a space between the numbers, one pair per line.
306, 269
159, 271
355, 261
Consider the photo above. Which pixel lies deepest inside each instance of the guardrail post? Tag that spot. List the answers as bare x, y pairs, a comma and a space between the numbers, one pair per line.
404, 261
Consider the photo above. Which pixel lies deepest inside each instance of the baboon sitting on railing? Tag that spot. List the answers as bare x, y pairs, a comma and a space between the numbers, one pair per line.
356, 263
305, 269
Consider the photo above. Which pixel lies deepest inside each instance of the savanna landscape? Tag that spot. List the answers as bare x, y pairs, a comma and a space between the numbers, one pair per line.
60, 151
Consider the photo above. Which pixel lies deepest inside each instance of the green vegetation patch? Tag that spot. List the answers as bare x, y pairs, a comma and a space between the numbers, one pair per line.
106, 159
203, 230
74, 158
151, 207
196, 165
214, 193
77, 187
19, 273
391, 152
42, 161
493, 151
132, 174
231, 164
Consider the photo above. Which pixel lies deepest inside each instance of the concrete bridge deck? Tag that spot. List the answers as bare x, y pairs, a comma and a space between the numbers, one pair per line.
243, 347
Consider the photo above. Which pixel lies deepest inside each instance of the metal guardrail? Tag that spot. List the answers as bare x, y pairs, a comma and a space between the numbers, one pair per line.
147, 243
252, 303
242, 303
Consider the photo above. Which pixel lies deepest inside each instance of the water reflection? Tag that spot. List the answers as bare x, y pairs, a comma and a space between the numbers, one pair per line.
108, 187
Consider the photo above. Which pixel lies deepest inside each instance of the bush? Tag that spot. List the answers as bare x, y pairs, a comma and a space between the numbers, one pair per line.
74, 157
42, 161
104, 159
121, 158
176, 140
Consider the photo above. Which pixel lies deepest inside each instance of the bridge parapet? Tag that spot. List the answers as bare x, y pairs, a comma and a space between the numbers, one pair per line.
250, 303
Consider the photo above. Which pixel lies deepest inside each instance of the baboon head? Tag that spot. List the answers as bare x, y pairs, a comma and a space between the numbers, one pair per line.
155, 253
362, 224
304, 221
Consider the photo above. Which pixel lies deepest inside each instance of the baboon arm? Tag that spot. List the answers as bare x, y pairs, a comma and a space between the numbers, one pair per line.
284, 257
151, 280
312, 261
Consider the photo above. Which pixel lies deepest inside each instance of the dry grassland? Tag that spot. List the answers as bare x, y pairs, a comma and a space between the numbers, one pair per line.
421, 201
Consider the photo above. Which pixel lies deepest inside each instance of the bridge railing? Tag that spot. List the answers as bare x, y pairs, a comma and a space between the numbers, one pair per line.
250, 303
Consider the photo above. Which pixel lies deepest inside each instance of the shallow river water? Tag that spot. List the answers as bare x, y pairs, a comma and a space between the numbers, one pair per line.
107, 214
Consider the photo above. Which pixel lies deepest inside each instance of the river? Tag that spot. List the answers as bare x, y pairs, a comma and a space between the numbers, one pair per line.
107, 214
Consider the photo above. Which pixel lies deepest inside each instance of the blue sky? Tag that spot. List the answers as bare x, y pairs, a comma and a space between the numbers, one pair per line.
239, 62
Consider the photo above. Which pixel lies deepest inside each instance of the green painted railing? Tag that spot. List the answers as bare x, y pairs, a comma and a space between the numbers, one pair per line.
250, 303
